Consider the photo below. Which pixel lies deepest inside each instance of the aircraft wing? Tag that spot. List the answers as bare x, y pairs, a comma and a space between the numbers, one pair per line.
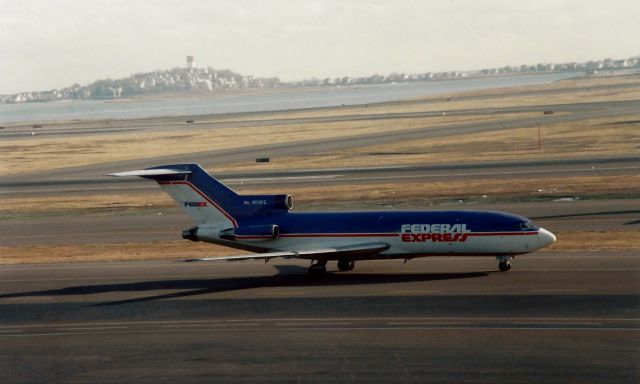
253, 256
334, 252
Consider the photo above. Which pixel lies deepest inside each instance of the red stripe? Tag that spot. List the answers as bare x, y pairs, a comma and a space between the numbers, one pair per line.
479, 234
502, 233
339, 235
219, 208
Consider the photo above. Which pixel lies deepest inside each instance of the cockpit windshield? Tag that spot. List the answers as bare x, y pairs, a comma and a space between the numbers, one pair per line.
528, 226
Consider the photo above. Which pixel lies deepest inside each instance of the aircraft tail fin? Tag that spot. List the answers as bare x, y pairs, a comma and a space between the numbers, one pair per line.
208, 201
202, 197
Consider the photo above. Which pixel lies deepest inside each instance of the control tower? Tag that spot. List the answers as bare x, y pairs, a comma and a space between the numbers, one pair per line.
191, 63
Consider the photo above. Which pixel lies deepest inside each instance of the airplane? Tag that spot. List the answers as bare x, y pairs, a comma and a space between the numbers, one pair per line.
266, 225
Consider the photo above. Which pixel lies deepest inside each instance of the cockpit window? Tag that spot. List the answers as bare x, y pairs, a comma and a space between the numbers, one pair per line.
527, 225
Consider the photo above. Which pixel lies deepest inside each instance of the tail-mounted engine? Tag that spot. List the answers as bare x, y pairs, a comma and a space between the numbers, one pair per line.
252, 232
263, 204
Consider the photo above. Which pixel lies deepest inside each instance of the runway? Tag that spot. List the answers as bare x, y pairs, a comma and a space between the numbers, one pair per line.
90, 183
436, 320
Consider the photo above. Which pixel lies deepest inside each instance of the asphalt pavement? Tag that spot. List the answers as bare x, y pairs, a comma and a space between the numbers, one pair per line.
555, 317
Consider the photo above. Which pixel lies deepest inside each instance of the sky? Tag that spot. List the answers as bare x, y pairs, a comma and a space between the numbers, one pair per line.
54, 44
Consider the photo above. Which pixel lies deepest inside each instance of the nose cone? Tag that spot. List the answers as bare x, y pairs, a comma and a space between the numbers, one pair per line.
545, 237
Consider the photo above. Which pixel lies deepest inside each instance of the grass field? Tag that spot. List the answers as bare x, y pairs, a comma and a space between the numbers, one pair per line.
38, 154
591, 137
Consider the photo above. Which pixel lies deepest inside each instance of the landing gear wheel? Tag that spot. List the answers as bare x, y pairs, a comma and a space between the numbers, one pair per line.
346, 264
504, 262
318, 269
504, 266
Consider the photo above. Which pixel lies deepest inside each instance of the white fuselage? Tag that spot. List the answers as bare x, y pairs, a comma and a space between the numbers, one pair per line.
401, 245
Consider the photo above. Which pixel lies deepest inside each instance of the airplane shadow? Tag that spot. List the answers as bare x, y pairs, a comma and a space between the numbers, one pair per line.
288, 276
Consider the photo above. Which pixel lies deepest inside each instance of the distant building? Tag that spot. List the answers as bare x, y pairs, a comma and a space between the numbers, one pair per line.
191, 63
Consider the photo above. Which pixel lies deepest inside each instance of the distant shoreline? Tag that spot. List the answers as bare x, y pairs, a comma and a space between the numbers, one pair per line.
285, 87
261, 100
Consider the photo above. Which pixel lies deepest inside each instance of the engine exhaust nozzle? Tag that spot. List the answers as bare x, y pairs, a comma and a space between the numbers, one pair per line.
190, 234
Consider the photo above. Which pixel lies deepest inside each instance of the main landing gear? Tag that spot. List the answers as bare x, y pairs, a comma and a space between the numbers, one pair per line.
504, 263
318, 268
346, 264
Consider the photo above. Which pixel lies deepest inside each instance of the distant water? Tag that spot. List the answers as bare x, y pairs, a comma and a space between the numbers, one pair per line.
234, 103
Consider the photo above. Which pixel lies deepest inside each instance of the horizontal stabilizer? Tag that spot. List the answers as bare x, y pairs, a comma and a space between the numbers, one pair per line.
352, 251
151, 172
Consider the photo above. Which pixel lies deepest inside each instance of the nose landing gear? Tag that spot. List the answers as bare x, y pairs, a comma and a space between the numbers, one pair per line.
504, 263
504, 266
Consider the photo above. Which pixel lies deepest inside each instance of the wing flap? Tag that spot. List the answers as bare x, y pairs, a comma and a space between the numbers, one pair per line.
349, 250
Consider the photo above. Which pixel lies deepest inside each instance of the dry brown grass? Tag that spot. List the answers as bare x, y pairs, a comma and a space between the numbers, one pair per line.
176, 250
592, 137
82, 203
163, 250
492, 187
597, 241
381, 192
33, 154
